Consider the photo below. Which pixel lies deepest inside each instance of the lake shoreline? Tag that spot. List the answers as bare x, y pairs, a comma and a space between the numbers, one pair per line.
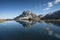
2, 20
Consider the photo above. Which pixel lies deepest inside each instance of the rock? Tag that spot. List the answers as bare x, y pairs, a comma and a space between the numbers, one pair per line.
26, 15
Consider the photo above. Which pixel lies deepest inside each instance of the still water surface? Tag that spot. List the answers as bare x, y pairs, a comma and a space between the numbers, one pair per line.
29, 30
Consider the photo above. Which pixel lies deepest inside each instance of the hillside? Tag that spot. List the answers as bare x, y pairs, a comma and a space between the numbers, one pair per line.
54, 15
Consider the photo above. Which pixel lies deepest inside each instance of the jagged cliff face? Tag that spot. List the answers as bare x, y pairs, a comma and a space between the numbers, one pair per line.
28, 13
25, 15
54, 15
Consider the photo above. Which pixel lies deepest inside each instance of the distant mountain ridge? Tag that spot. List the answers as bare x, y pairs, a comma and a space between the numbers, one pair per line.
54, 15
28, 14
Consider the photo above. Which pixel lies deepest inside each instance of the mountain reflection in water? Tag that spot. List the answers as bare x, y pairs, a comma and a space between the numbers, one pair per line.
29, 30
57, 23
48, 30
27, 23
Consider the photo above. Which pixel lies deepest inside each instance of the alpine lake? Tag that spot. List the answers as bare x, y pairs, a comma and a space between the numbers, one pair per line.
30, 30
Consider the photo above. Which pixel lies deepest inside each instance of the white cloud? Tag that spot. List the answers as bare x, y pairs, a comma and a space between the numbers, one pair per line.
50, 4
46, 8
56, 1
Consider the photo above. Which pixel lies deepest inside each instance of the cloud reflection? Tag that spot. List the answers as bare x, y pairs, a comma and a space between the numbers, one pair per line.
52, 33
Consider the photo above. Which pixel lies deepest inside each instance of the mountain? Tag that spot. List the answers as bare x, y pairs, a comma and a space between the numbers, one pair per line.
26, 15
41, 16
54, 15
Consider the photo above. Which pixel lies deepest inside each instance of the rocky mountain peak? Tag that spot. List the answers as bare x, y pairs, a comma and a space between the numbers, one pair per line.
27, 12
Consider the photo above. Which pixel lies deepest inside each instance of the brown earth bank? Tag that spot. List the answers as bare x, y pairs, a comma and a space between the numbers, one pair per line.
2, 20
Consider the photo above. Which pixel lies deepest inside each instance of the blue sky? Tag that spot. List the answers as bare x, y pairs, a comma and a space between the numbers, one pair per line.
12, 8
